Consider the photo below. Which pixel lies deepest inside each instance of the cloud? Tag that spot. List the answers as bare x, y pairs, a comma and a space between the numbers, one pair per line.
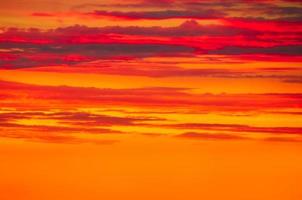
54, 134
81, 45
276, 50
43, 14
70, 54
188, 28
56, 105
80, 119
256, 10
283, 139
165, 14
158, 70
51, 138
67, 128
37, 96
57, 129
234, 137
212, 136
238, 128
77, 45
90, 119
297, 80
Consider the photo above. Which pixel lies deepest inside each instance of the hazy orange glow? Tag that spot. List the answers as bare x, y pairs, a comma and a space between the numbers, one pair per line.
145, 99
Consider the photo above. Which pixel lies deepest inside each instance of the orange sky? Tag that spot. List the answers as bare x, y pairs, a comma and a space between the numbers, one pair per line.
144, 99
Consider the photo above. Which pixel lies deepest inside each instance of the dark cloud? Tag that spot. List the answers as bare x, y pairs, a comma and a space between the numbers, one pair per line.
283, 139
70, 54
53, 134
70, 124
188, 28
297, 80
58, 129
210, 136
276, 50
49, 137
80, 44
235, 136
165, 14
89, 119
239, 128
264, 10
78, 118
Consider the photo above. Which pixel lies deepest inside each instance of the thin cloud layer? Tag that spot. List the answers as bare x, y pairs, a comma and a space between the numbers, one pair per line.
88, 72
70, 123
146, 97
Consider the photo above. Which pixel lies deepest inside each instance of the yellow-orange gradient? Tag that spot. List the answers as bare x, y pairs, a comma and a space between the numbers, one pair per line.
144, 99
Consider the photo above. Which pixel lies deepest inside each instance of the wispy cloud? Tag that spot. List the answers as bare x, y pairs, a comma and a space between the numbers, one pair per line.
238, 128
144, 97
212, 136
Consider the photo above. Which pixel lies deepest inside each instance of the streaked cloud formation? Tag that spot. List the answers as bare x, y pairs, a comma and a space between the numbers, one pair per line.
205, 70
40, 103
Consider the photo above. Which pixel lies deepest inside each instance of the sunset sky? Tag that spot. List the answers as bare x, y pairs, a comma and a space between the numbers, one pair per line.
150, 99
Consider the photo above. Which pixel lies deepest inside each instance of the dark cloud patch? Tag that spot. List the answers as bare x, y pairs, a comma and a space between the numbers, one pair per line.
13, 116
165, 14
49, 137
210, 136
53, 134
79, 118
101, 50
89, 119
265, 10
81, 45
276, 50
69, 54
283, 139
239, 128
57, 129
285, 13
235, 136
69, 126
188, 28
297, 80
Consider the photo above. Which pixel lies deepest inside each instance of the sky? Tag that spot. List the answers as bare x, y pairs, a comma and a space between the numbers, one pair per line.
150, 99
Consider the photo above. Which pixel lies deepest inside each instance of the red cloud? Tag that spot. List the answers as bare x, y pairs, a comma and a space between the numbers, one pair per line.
144, 97
81, 44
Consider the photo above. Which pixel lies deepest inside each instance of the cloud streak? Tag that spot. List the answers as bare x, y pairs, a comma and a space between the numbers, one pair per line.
82, 45
144, 97
185, 47
239, 128
256, 10
213, 136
